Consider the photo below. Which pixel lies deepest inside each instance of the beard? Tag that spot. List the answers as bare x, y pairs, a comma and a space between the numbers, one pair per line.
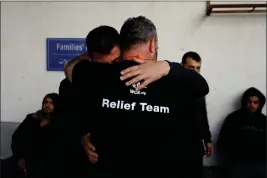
48, 113
48, 110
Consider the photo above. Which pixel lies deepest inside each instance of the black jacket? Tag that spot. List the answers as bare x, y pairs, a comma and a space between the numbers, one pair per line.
133, 129
243, 135
32, 142
66, 96
203, 119
70, 153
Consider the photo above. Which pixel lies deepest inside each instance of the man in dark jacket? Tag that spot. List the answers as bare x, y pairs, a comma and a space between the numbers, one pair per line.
242, 141
68, 156
106, 40
192, 60
32, 142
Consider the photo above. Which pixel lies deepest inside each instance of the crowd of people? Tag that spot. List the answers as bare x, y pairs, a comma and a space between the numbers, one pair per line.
122, 113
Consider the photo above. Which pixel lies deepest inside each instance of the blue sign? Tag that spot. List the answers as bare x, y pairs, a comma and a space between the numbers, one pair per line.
61, 50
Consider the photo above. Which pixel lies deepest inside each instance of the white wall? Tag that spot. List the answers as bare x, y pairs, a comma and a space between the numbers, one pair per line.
233, 48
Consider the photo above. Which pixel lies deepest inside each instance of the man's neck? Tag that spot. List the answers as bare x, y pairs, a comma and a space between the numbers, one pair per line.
136, 52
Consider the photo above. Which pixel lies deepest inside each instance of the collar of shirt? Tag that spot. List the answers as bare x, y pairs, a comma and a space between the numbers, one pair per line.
130, 58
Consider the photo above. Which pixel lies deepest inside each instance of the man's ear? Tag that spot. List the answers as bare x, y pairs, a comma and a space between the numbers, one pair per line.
152, 45
115, 53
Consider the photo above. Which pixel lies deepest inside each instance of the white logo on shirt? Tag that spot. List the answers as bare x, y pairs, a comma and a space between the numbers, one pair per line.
135, 91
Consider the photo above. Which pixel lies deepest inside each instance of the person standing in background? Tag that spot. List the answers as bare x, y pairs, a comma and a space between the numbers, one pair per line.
192, 60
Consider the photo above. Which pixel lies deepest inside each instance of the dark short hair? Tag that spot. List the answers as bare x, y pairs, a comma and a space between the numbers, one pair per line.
136, 30
102, 39
193, 55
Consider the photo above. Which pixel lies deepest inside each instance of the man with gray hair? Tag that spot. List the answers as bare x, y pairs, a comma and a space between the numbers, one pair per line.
139, 128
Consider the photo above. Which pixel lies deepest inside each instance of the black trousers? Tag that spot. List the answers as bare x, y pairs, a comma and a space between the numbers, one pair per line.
188, 169
248, 169
10, 169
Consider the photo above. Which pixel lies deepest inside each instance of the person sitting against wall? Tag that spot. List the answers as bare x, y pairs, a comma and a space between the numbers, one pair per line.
32, 141
242, 141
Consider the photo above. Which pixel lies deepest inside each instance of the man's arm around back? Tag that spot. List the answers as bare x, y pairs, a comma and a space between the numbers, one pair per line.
150, 71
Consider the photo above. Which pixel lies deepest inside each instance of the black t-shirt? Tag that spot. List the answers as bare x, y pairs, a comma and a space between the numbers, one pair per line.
149, 130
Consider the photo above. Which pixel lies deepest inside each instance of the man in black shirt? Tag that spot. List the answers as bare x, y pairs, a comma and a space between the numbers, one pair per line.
139, 132
191, 60
103, 46
68, 153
